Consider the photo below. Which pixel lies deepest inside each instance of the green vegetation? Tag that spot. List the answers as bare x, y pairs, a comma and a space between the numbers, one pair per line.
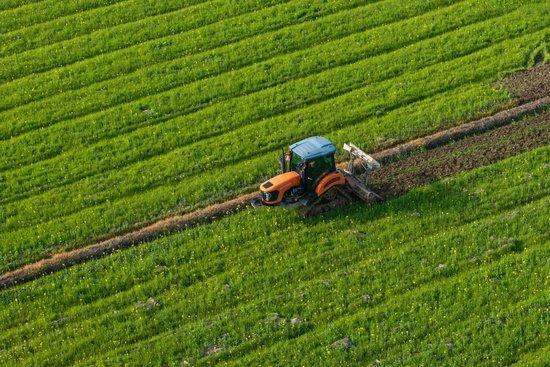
28, 27
451, 273
114, 113
168, 106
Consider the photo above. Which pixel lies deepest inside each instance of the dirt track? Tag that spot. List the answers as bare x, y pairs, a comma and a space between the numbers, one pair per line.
529, 84
479, 150
390, 181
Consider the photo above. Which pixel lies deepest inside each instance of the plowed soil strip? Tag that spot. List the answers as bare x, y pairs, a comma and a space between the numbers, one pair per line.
529, 84
395, 178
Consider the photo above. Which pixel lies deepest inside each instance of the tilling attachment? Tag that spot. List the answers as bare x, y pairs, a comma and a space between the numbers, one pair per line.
357, 182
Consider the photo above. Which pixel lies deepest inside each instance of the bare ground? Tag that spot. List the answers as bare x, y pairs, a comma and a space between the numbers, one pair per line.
529, 84
398, 177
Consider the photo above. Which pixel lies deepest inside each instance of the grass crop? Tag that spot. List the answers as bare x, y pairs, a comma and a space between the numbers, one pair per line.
32, 13
114, 38
202, 94
468, 288
116, 63
115, 113
85, 17
154, 175
203, 64
141, 109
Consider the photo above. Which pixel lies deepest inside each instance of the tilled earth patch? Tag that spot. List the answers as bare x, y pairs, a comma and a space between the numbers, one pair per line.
529, 84
398, 177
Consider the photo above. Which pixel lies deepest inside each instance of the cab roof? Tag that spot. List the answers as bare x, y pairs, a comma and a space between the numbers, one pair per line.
316, 146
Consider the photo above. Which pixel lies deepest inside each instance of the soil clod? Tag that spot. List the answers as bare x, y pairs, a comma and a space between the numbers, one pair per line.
150, 304
210, 350
273, 318
366, 298
344, 343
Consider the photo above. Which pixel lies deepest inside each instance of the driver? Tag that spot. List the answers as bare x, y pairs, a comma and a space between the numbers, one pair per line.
302, 172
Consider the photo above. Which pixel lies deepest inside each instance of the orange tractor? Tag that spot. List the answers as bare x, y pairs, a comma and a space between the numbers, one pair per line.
311, 181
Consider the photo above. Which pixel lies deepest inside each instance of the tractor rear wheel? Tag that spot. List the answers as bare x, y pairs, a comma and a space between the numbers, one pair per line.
335, 197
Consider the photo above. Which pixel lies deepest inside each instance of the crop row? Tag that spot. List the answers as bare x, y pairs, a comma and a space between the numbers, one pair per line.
114, 38
434, 313
28, 243
8, 5
217, 152
170, 317
123, 214
124, 61
171, 134
534, 358
17, 14
215, 239
175, 133
104, 14
183, 70
403, 264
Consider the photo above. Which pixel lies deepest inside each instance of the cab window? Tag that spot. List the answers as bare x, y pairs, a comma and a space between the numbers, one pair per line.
295, 161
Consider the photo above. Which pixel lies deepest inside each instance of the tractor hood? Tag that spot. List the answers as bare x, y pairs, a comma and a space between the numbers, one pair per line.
281, 182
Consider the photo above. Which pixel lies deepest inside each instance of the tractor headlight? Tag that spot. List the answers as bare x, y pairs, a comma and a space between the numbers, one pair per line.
270, 196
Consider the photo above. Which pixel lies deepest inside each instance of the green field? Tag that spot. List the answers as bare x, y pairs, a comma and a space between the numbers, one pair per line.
456, 273
137, 110
115, 113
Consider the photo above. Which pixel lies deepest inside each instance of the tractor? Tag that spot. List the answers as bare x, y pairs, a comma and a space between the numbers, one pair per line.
311, 180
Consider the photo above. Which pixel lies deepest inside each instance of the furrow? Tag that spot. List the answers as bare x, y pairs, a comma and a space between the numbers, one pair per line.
252, 128
102, 16
68, 52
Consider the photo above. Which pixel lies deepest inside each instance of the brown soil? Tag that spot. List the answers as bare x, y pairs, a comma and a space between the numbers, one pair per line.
443, 137
394, 179
398, 177
529, 84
